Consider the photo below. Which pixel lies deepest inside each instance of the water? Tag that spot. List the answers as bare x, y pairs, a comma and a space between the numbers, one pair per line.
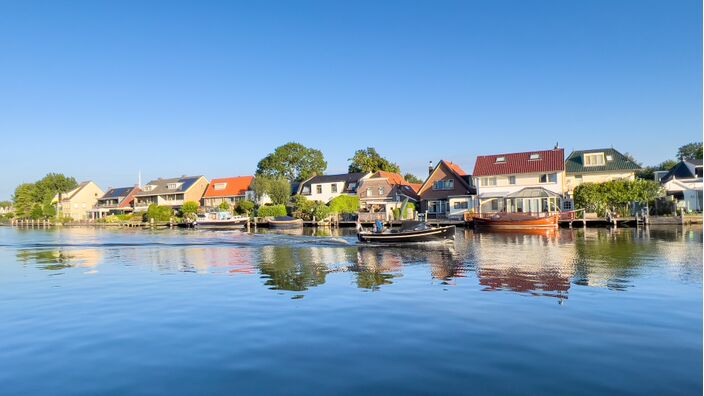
97, 311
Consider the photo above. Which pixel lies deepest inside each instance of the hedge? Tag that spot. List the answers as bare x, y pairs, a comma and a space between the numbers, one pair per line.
271, 211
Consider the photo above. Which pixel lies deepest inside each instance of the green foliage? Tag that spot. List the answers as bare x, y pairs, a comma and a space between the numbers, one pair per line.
277, 188
302, 207
189, 209
33, 200
411, 178
410, 206
690, 151
369, 160
245, 207
345, 204
159, 213
397, 213
5, 204
321, 211
615, 195
271, 211
292, 161
648, 173
224, 206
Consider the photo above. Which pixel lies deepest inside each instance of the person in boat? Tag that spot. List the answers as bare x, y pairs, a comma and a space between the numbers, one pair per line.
378, 226
358, 226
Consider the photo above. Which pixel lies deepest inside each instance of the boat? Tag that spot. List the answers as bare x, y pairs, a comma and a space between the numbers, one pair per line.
216, 220
285, 222
410, 232
516, 221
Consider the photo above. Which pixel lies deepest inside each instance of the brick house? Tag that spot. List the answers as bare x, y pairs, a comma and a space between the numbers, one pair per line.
447, 192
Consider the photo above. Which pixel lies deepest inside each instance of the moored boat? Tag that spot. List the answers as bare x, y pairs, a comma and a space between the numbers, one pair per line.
410, 232
216, 220
516, 221
285, 222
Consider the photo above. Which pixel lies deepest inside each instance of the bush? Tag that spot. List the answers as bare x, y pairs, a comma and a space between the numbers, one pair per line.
302, 207
159, 213
412, 208
397, 213
321, 211
616, 195
224, 206
345, 204
245, 207
125, 217
271, 211
189, 209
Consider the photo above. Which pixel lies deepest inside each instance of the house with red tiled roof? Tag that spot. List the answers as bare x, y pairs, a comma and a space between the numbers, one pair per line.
228, 189
447, 192
381, 193
529, 182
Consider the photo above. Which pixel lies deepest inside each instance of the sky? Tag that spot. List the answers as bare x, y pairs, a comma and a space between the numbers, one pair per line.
103, 90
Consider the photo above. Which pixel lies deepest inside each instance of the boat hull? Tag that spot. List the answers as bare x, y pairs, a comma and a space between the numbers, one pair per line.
285, 224
434, 234
517, 224
226, 224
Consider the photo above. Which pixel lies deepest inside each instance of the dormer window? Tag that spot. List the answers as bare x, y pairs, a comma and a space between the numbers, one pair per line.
220, 186
172, 186
534, 157
149, 187
594, 159
500, 160
609, 158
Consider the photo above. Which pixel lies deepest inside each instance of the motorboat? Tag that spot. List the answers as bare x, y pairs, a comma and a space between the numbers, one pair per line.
409, 232
516, 221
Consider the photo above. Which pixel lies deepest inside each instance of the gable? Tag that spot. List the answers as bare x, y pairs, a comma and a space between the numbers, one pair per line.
445, 171
608, 160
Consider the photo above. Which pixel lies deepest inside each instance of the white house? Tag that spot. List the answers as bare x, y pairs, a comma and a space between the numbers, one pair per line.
684, 183
531, 181
324, 188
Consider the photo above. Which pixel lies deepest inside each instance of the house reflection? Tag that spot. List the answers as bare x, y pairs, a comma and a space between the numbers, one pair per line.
376, 267
539, 264
61, 258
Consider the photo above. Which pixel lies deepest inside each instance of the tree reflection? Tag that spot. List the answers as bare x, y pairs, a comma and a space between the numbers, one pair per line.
287, 268
53, 260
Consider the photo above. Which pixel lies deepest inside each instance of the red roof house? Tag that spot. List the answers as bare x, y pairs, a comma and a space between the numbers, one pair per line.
229, 189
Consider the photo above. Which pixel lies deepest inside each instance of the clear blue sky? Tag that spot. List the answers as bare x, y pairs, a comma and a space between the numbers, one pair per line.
100, 90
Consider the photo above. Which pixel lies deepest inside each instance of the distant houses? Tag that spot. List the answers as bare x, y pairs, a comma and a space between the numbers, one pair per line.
172, 192
539, 181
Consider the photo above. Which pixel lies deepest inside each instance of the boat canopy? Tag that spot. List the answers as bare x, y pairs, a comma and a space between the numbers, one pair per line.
533, 192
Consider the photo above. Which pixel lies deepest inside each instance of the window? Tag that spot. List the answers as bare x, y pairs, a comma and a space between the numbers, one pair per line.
381, 191
494, 204
460, 205
220, 186
369, 191
172, 186
500, 160
567, 205
488, 181
351, 186
333, 187
319, 188
609, 158
444, 185
512, 180
148, 187
594, 159
548, 178
534, 157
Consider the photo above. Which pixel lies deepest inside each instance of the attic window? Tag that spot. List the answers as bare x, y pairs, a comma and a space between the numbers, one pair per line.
534, 157
172, 186
594, 159
148, 187
220, 186
609, 158
500, 160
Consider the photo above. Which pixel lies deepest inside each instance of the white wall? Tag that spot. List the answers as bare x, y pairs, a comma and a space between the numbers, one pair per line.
522, 181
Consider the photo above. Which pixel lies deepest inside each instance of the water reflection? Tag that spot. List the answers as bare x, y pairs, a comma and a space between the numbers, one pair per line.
60, 259
287, 268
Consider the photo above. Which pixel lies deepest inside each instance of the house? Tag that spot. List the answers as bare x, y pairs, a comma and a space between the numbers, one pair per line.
78, 203
447, 192
171, 192
596, 166
684, 183
532, 181
381, 193
230, 190
115, 201
324, 188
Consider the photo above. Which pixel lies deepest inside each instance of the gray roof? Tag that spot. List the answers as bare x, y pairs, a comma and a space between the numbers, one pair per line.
161, 186
346, 178
117, 192
687, 169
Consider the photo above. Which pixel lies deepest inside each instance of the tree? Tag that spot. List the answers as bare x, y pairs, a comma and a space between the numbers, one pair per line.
648, 173
369, 160
159, 213
245, 207
615, 194
24, 200
412, 178
345, 204
224, 206
690, 151
34, 199
189, 209
292, 161
277, 188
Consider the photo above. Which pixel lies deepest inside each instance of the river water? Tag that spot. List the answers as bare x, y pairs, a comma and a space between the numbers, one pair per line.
86, 311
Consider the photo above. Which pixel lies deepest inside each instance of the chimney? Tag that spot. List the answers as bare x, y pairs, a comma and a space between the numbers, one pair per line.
430, 167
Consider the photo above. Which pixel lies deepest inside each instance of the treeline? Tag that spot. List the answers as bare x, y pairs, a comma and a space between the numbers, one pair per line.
34, 200
616, 196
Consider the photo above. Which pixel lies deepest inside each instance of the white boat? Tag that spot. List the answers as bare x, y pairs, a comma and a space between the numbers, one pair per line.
216, 220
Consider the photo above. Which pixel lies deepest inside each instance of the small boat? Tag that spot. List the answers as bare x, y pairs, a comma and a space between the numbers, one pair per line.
516, 221
285, 222
216, 220
410, 231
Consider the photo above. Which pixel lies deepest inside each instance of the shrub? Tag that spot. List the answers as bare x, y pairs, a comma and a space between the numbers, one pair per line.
302, 207
271, 211
345, 204
397, 213
321, 211
615, 195
159, 213
224, 206
245, 207
189, 209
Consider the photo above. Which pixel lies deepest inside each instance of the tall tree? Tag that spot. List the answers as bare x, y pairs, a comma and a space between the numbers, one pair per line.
292, 161
369, 160
411, 178
690, 151
24, 200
